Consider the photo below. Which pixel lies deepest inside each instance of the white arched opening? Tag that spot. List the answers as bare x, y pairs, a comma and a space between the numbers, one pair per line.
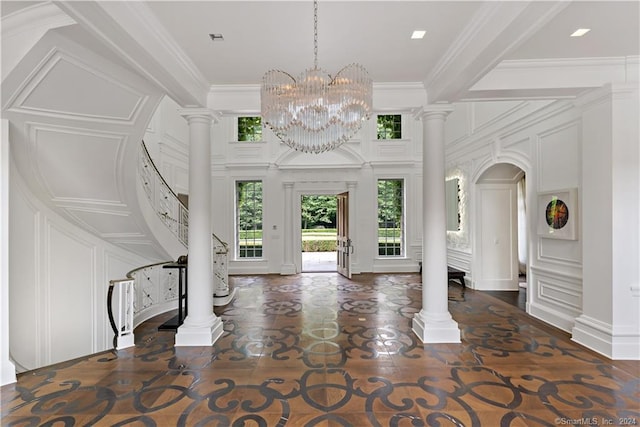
496, 259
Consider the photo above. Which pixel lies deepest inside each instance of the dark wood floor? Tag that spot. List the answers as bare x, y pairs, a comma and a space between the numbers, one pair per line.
317, 349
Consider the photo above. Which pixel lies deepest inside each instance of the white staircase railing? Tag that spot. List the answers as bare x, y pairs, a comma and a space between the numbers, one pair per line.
164, 201
151, 290
123, 306
176, 217
220, 251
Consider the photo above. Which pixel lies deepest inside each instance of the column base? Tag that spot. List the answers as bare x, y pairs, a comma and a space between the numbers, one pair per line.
220, 301
8, 372
432, 330
288, 269
199, 335
125, 341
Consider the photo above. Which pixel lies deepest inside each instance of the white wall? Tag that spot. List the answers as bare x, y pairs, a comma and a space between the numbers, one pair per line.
543, 139
7, 368
361, 161
610, 323
588, 284
59, 277
167, 140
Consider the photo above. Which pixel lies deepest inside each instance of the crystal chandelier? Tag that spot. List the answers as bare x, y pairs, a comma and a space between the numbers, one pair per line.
316, 112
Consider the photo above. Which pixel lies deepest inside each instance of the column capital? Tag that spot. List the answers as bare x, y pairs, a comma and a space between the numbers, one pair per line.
432, 111
288, 184
200, 113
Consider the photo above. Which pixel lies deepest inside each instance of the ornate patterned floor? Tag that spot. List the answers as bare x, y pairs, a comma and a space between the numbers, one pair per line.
321, 350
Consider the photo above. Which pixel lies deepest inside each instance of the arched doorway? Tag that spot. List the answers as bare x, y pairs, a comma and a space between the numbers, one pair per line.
500, 229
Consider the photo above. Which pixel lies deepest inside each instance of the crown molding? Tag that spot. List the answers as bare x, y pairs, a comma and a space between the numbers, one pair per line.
557, 74
496, 29
130, 30
43, 16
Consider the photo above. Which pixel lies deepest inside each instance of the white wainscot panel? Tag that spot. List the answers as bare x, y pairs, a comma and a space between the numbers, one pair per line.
555, 288
556, 297
486, 113
391, 150
456, 127
106, 223
559, 158
76, 164
459, 259
248, 151
175, 126
181, 180
24, 292
49, 92
518, 145
561, 252
71, 277
559, 293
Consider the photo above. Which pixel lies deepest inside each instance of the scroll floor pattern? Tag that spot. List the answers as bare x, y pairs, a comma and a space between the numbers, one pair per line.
318, 349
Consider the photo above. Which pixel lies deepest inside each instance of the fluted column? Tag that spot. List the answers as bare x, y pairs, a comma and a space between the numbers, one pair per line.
434, 324
288, 266
201, 327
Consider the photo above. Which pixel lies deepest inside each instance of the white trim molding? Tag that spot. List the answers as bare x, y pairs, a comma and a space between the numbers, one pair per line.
619, 343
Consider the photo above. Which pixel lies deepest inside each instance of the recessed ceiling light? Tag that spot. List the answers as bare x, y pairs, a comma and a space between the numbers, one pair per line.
216, 37
580, 32
418, 34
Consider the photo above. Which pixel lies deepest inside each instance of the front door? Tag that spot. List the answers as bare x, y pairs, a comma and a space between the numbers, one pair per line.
344, 242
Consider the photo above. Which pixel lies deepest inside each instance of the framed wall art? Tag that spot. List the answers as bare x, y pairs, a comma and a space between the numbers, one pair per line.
558, 214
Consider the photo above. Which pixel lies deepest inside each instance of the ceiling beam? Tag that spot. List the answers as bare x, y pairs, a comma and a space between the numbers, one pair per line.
496, 30
131, 30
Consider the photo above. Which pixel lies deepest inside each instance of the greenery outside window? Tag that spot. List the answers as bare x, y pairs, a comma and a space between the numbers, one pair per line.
249, 219
390, 217
249, 128
390, 126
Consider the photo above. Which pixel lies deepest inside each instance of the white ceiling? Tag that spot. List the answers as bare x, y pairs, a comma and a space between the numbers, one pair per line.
263, 35
168, 42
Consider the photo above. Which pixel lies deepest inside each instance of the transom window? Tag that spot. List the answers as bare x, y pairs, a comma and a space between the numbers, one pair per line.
249, 219
390, 217
249, 128
390, 126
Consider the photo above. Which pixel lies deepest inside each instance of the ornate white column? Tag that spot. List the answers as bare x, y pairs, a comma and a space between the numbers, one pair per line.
434, 324
288, 266
201, 327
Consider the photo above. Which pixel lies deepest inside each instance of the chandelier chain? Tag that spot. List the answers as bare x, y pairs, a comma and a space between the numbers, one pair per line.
316, 112
315, 34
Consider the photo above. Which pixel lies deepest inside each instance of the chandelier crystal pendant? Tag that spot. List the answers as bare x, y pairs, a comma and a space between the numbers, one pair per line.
316, 113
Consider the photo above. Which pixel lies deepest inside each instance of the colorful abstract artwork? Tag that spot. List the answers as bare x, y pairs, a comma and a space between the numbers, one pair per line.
558, 214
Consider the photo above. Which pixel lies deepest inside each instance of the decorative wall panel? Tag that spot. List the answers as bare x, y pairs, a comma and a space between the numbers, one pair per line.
558, 158
76, 164
70, 272
48, 92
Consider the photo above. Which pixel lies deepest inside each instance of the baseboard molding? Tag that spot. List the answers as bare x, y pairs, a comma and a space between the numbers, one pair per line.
248, 268
553, 317
600, 337
496, 285
395, 266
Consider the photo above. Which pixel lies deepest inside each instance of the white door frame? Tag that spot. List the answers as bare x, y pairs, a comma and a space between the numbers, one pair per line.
321, 188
